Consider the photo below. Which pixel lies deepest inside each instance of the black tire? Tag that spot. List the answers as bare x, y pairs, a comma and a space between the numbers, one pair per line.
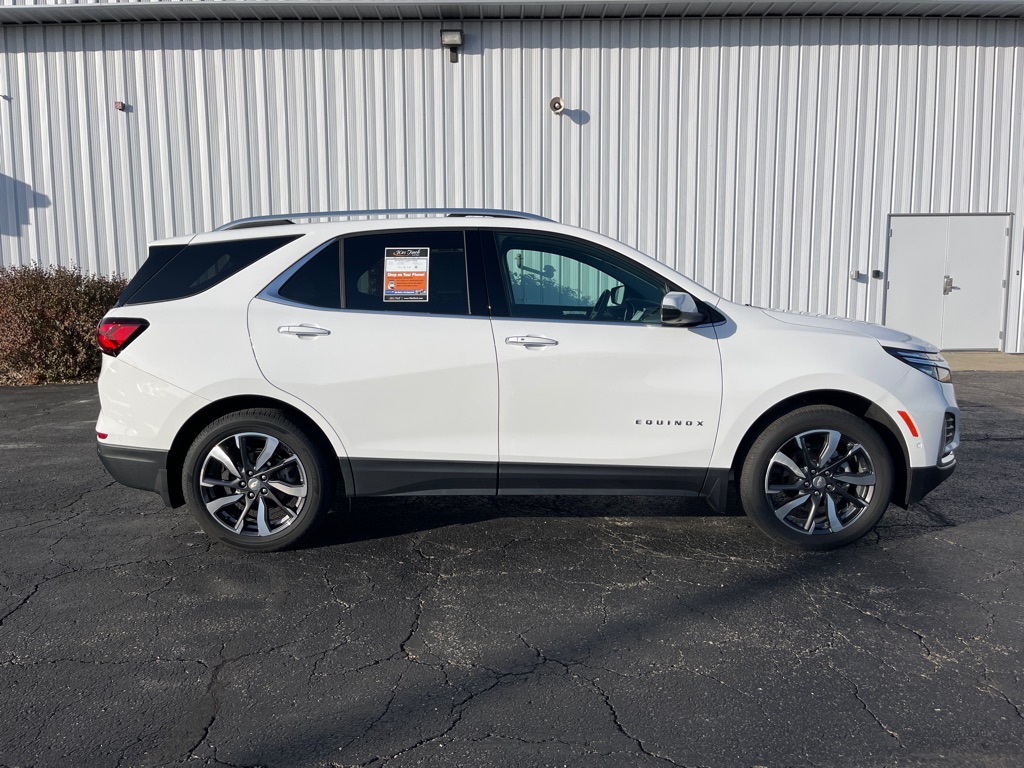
787, 463
250, 509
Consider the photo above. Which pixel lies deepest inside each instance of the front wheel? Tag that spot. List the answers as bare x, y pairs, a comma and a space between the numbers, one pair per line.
256, 481
817, 478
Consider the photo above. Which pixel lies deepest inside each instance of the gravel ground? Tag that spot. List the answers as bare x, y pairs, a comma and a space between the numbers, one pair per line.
471, 631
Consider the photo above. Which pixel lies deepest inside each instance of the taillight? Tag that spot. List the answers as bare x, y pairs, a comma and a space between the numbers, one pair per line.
114, 334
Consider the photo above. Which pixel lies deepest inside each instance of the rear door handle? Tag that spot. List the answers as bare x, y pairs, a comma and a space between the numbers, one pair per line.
304, 330
531, 341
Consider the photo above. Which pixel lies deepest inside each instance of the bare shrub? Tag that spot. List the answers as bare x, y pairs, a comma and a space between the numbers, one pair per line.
49, 316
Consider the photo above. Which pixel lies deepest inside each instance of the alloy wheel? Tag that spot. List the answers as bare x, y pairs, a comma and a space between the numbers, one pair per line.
253, 484
820, 481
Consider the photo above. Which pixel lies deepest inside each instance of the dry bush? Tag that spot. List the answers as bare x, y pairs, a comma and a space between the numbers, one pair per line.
49, 317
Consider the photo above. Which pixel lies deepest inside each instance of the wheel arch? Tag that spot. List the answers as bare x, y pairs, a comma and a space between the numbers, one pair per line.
214, 410
852, 403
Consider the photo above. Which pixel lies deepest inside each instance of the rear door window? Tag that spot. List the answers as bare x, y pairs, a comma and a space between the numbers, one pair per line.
406, 271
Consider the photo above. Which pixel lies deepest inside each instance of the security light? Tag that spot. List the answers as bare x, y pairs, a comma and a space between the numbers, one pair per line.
452, 40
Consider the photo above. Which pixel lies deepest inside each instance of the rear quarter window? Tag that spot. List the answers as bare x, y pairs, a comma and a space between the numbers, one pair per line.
179, 272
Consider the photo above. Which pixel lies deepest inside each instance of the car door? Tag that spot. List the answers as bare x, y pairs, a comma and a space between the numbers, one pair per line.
376, 332
595, 394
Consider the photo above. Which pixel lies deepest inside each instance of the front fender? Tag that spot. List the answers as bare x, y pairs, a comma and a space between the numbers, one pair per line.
742, 410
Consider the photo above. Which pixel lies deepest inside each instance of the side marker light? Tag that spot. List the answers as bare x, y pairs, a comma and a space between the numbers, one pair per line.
910, 423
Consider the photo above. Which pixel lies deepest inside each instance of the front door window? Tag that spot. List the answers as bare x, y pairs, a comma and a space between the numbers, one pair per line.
553, 278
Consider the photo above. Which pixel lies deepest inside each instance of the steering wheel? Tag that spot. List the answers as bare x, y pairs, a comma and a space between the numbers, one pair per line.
601, 305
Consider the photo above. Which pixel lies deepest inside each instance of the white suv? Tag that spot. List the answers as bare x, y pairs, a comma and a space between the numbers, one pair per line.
249, 370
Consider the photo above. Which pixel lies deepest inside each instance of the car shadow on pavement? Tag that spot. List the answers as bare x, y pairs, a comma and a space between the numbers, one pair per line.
376, 518
991, 443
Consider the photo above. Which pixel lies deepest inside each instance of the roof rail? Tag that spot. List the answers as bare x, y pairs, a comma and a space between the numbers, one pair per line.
248, 223
285, 218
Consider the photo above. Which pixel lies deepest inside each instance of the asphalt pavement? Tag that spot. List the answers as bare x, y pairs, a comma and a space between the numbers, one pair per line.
505, 632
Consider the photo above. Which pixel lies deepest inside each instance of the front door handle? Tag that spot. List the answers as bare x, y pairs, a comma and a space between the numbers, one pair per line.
947, 285
531, 341
304, 330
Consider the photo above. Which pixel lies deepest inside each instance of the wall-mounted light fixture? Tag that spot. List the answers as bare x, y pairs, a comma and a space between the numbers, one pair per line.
119, 106
452, 40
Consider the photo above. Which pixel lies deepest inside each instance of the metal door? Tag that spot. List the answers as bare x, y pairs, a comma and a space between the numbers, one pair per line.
946, 278
917, 262
974, 282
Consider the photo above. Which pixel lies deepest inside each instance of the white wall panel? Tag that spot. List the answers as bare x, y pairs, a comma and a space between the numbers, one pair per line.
760, 156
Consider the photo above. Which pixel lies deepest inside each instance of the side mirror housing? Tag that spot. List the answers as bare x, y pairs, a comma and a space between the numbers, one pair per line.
678, 308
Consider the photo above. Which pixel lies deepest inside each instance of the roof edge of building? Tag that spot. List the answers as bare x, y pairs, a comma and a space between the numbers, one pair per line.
488, 10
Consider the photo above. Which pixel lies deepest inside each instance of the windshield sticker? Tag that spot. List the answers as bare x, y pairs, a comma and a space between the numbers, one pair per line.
406, 274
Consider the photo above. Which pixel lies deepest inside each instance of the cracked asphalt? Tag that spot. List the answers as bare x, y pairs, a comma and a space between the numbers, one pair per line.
471, 631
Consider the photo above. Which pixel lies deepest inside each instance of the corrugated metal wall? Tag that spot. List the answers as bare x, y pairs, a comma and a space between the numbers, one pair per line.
760, 156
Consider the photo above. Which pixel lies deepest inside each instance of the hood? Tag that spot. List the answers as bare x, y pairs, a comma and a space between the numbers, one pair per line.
880, 333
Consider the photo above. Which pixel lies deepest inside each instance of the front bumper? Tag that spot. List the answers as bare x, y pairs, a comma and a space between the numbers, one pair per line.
923, 480
137, 468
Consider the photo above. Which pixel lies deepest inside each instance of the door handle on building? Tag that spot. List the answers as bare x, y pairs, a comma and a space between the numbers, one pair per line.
531, 341
304, 330
947, 286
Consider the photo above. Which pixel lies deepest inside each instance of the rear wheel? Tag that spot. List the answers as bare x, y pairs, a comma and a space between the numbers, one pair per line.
817, 478
255, 480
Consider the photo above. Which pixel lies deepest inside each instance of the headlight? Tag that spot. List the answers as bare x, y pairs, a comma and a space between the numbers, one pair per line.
926, 362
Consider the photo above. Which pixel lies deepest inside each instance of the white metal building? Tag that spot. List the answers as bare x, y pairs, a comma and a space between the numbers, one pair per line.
862, 159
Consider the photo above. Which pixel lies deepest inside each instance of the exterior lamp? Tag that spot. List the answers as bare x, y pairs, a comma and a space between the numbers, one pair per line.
452, 40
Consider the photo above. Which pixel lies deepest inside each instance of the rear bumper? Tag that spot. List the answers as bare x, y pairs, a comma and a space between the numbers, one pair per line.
923, 480
137, 468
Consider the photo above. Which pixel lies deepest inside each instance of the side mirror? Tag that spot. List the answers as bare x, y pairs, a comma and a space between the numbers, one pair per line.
678, 308
617, 296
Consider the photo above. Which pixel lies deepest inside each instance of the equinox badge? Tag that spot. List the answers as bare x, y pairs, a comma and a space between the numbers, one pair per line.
668, 423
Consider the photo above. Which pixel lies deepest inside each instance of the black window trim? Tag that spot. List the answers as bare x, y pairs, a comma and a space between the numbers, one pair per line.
476, 277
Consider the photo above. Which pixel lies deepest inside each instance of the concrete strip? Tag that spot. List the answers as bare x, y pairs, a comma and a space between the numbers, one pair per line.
984, 361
